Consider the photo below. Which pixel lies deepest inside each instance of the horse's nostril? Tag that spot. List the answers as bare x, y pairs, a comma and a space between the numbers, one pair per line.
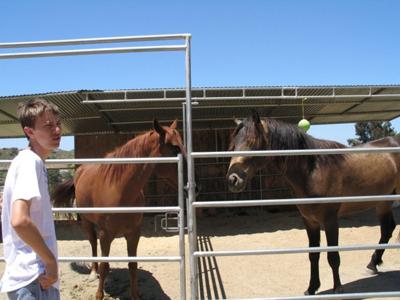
233, 179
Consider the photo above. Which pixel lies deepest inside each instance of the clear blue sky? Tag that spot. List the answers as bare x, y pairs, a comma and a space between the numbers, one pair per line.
234, 43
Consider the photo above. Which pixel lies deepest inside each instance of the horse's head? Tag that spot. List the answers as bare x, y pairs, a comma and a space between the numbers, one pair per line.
169, 143
249, 135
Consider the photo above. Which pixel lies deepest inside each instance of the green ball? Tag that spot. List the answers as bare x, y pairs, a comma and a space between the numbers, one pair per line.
304, 124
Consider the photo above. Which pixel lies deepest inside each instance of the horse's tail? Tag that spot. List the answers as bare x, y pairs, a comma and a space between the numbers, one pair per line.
64, 193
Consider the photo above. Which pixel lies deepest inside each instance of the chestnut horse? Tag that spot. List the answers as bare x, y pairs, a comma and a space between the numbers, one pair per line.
351, 174
120, 185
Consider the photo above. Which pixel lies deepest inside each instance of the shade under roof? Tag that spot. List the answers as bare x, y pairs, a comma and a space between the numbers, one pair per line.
130, 111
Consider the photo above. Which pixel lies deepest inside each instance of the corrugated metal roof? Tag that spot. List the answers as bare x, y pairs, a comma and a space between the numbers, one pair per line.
213, 107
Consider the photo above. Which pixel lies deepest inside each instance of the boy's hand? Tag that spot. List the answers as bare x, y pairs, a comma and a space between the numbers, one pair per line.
50, 276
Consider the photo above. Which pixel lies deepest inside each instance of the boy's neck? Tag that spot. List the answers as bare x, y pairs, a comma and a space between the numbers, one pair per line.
42, 153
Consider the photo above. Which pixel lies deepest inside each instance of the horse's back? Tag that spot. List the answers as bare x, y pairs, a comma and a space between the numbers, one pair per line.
388, 141
381, 172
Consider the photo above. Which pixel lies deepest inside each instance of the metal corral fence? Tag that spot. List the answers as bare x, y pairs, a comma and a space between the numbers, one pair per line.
177, 209
161, 209
198, 254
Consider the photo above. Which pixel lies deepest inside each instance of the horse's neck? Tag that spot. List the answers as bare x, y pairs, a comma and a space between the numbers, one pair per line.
299, 169
142, 172
295, 169
133, 175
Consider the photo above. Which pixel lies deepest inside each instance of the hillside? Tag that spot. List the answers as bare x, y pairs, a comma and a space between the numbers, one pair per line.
10, 153
55, 175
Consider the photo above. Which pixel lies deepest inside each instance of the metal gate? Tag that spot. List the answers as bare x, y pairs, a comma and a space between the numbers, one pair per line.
178, 160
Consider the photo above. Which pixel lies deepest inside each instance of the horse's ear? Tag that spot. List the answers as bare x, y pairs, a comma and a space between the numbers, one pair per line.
174, 124
157, 127
255, 116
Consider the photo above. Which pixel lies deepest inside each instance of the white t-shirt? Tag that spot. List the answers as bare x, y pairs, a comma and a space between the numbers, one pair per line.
26, 179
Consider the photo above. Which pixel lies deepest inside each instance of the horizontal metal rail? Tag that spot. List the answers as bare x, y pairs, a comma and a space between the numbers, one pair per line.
207, 98
293, 201
92, 51
70, 42
136, 160
296, 152
119, 258
297, 250
343, 296
117, 210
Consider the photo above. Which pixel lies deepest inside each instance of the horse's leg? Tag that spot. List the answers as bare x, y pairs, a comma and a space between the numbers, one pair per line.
132, 241
332, 237
90, 231
388, 224
105, 244
314, 237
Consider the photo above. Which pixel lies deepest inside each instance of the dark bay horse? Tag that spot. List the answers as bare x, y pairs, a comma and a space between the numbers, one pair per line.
351, 174
120, 185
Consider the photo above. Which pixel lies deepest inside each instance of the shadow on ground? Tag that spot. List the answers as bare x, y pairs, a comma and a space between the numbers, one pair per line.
117, 283
382, 282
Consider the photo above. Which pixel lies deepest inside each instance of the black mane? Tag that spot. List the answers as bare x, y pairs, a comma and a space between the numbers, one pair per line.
285, 136
271, 134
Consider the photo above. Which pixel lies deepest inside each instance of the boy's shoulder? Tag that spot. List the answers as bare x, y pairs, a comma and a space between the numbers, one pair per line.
27, 156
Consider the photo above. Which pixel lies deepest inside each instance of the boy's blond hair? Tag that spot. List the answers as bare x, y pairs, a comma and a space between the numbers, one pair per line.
29, 111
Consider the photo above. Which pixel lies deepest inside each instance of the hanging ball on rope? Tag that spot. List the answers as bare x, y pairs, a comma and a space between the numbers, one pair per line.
304, 124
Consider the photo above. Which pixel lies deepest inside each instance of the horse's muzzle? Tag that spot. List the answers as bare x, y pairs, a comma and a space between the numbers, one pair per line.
237, 179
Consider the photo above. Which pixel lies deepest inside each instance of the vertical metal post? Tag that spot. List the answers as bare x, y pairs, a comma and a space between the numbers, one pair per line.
191, 180
182, 280
184, 122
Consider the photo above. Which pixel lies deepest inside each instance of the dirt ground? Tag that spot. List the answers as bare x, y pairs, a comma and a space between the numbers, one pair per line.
233, 277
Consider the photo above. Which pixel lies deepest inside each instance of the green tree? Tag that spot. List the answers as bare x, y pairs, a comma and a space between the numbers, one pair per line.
371, 130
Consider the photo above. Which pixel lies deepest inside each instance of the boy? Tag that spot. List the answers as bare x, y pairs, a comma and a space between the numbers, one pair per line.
29, 240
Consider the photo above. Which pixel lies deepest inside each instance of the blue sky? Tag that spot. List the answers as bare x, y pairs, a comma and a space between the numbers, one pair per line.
234, 43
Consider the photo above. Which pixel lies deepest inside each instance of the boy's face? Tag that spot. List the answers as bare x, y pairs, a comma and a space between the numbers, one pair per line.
46, 133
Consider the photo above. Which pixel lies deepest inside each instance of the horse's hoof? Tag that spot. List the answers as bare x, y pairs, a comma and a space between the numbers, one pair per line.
93, 276
312, 289
308, 293
372, 269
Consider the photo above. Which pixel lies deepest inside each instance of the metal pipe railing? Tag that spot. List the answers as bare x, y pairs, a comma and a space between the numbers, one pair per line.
136, 160
120, 259
243, 98
185, 47
91, 51
356, 296
294, 201
179, 209
114, 40
74, 52
192, 226
296, 250
198, 254
116, 210
269, 153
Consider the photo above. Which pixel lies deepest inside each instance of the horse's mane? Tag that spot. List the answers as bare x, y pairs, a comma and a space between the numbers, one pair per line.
285, 136
136, 147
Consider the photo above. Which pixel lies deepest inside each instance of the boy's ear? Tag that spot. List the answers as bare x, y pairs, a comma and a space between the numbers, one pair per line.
28, 131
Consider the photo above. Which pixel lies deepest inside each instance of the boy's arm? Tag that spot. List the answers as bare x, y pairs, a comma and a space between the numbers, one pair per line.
29, 233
